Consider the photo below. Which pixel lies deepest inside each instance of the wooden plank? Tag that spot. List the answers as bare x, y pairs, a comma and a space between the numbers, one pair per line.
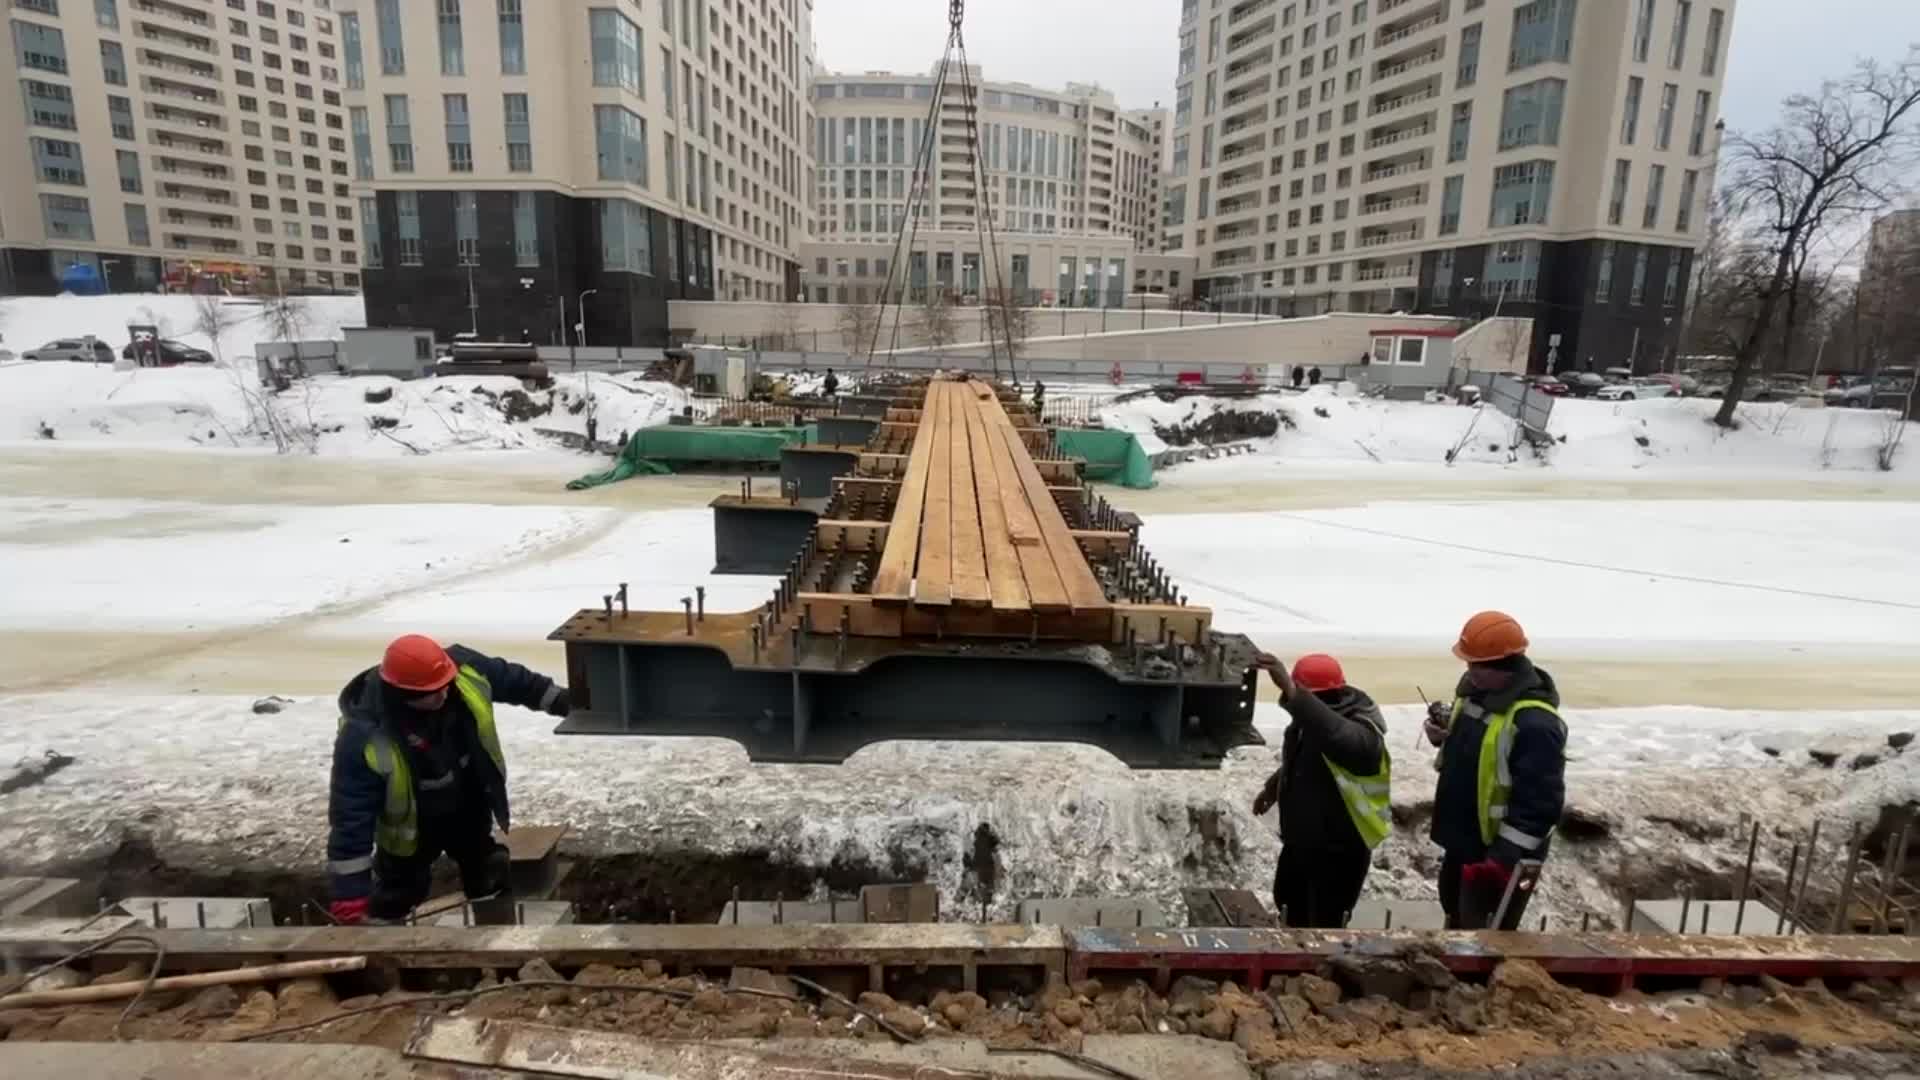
1083, 590
933, 579
885, 464
1103, 542
1006, 582
868, 619
893, 581
853, 535
1045, 591
969, 551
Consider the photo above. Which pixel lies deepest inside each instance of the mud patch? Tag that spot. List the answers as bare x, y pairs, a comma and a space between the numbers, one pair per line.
695, 886
1227, 425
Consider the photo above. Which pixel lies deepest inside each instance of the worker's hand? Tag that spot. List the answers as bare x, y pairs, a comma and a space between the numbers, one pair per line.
1262, 803
1276, 671
1489, 873
1439, 718
562, 703
349, 912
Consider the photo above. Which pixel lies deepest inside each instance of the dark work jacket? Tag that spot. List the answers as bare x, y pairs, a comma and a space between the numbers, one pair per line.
1538, 765
1344, 726
356, 793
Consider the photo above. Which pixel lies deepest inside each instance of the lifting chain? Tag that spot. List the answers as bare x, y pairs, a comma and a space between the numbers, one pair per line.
955, 8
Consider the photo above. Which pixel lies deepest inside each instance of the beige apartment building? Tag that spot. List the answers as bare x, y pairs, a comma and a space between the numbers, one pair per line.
1068, 179
164, 142
1550, 158
561, 169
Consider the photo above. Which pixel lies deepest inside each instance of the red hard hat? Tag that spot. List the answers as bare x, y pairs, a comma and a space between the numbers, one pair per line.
416, 662
1490, 636
1318, 671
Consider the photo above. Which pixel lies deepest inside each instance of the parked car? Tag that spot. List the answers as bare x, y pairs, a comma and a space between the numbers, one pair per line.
1638, 389
1618, 374
1547, 384
175, 352
1848, 390
80, 350
1677, 385
1584, 384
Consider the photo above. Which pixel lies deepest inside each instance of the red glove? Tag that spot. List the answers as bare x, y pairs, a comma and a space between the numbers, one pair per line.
348, 912
1489, 873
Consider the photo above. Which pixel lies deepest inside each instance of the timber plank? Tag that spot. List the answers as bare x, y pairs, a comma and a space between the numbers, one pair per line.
969, 552
894, 580
1006, 581
1083, 590
1045, 590
933, 580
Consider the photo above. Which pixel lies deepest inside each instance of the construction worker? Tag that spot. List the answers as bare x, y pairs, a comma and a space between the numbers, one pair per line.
418, 770
831, 385
1332, 788
1502, 767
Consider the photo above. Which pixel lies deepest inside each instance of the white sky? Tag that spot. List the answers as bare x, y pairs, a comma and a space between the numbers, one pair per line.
1779, 46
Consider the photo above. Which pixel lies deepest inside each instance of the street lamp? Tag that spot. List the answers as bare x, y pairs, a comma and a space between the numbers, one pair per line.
580, 309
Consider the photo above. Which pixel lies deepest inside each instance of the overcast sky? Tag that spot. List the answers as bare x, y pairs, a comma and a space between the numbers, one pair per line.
1779, 46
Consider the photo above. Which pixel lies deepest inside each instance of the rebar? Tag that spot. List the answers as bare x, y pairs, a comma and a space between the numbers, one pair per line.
622, 594
699, 600
1793, 865
687, 603
1746, 877
1806, 875
1854, 844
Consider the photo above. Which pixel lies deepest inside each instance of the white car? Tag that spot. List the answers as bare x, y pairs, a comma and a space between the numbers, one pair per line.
1638, 389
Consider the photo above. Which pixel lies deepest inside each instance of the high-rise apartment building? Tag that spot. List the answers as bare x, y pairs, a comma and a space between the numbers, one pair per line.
1549, 157
514, 158
1068, 180
167, 141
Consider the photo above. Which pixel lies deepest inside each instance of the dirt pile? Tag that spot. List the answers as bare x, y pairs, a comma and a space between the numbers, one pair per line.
1226, 425
1358, 1009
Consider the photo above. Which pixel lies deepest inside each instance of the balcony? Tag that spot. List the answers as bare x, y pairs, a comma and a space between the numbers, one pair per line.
177, 65
1250, 144
1239, 202
1419, 19
1386, 103
1241, 12
1404, 164
161, 86
1389, 69
177, 12
1259, 31
172, 166
179, 116
1249, 64
1371, 207
205, 245
1400, 132
1373, 237
213, 148
162, 34
191, 193
1378, 271
1235, 257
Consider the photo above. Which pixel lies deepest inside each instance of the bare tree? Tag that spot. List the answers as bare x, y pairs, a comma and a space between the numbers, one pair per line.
1009, 321
1831, 159
212, 318
859, 326
936, 322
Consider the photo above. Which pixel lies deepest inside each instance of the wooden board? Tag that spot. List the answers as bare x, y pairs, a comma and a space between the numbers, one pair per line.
893, 582
933, 580
969, 553
1083, 591
1006, 581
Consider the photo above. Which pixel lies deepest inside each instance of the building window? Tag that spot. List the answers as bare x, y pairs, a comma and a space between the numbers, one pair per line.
370, 231
526, 232
399, 134
138, 232
1603, 277
620, 137
1670, 294
1451, 193
362, 143
1716, 25
626, 238
350, 44
1677, 48
519, 132
107, 13
513, 39
459, 133
1642, 31
1530, 114
48, 104
113, 63
129, 163
1521, 194
1617, 202
466, 228
1656, 182
393, 49
1461, 132
43, 48
120, 114
57, 161
66, 217
1542, 33
616, 50
1638, 293
1697, 137
453, 54
1630, 115
1689, 190
1669, 101
406, 206
1469, 68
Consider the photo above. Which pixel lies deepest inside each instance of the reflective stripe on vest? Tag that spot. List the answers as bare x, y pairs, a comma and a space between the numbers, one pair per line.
477, 692
1368, 798
1495, 783
397, 831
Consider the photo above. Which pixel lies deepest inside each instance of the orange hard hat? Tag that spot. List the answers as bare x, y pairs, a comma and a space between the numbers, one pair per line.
416, 662
1490, 636
1318, 671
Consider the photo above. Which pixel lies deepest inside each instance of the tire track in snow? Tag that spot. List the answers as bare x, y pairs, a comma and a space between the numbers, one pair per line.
172, 648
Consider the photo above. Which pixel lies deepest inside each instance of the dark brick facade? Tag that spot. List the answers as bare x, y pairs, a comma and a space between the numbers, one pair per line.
29, 272
627, 308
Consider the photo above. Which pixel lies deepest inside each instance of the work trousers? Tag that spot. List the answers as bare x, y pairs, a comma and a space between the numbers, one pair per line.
1466, 912
401, 883
1316, 889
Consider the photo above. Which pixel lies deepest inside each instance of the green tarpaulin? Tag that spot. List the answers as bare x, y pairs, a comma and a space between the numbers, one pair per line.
655, 450
1112, 457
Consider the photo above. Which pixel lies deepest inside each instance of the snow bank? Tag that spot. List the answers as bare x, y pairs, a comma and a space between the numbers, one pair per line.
30, 321
1596, 436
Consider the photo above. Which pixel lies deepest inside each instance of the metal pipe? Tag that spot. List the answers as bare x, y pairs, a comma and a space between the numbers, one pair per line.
1686, 908
1705, 910
623, 599
736, 905
200, 913
699, 599
687, 603
1746, 877
608, 601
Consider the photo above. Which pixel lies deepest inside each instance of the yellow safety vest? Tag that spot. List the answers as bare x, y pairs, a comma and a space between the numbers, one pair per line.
1496, 773
397, 831
1368, 798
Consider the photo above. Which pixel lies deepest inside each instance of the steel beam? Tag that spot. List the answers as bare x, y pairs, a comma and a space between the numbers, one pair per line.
812, 469
759, 535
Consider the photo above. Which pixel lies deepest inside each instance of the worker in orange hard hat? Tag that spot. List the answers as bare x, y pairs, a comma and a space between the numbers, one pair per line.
1332, 789
417, 771
1502, 767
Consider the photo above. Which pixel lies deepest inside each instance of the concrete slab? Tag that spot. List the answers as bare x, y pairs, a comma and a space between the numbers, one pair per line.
191, 1061
199, 912
1084, 911
1398, 915
771, 913
44, 897
1718, 917
916, 903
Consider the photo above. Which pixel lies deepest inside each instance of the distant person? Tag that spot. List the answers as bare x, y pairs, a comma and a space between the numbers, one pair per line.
1299, 376
1332, 788
832, 384
1039, 398
1313, 375
1502, 783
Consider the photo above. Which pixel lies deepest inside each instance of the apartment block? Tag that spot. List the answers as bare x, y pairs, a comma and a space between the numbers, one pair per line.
1067, 176
1551, 158
169, 142
561, 169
